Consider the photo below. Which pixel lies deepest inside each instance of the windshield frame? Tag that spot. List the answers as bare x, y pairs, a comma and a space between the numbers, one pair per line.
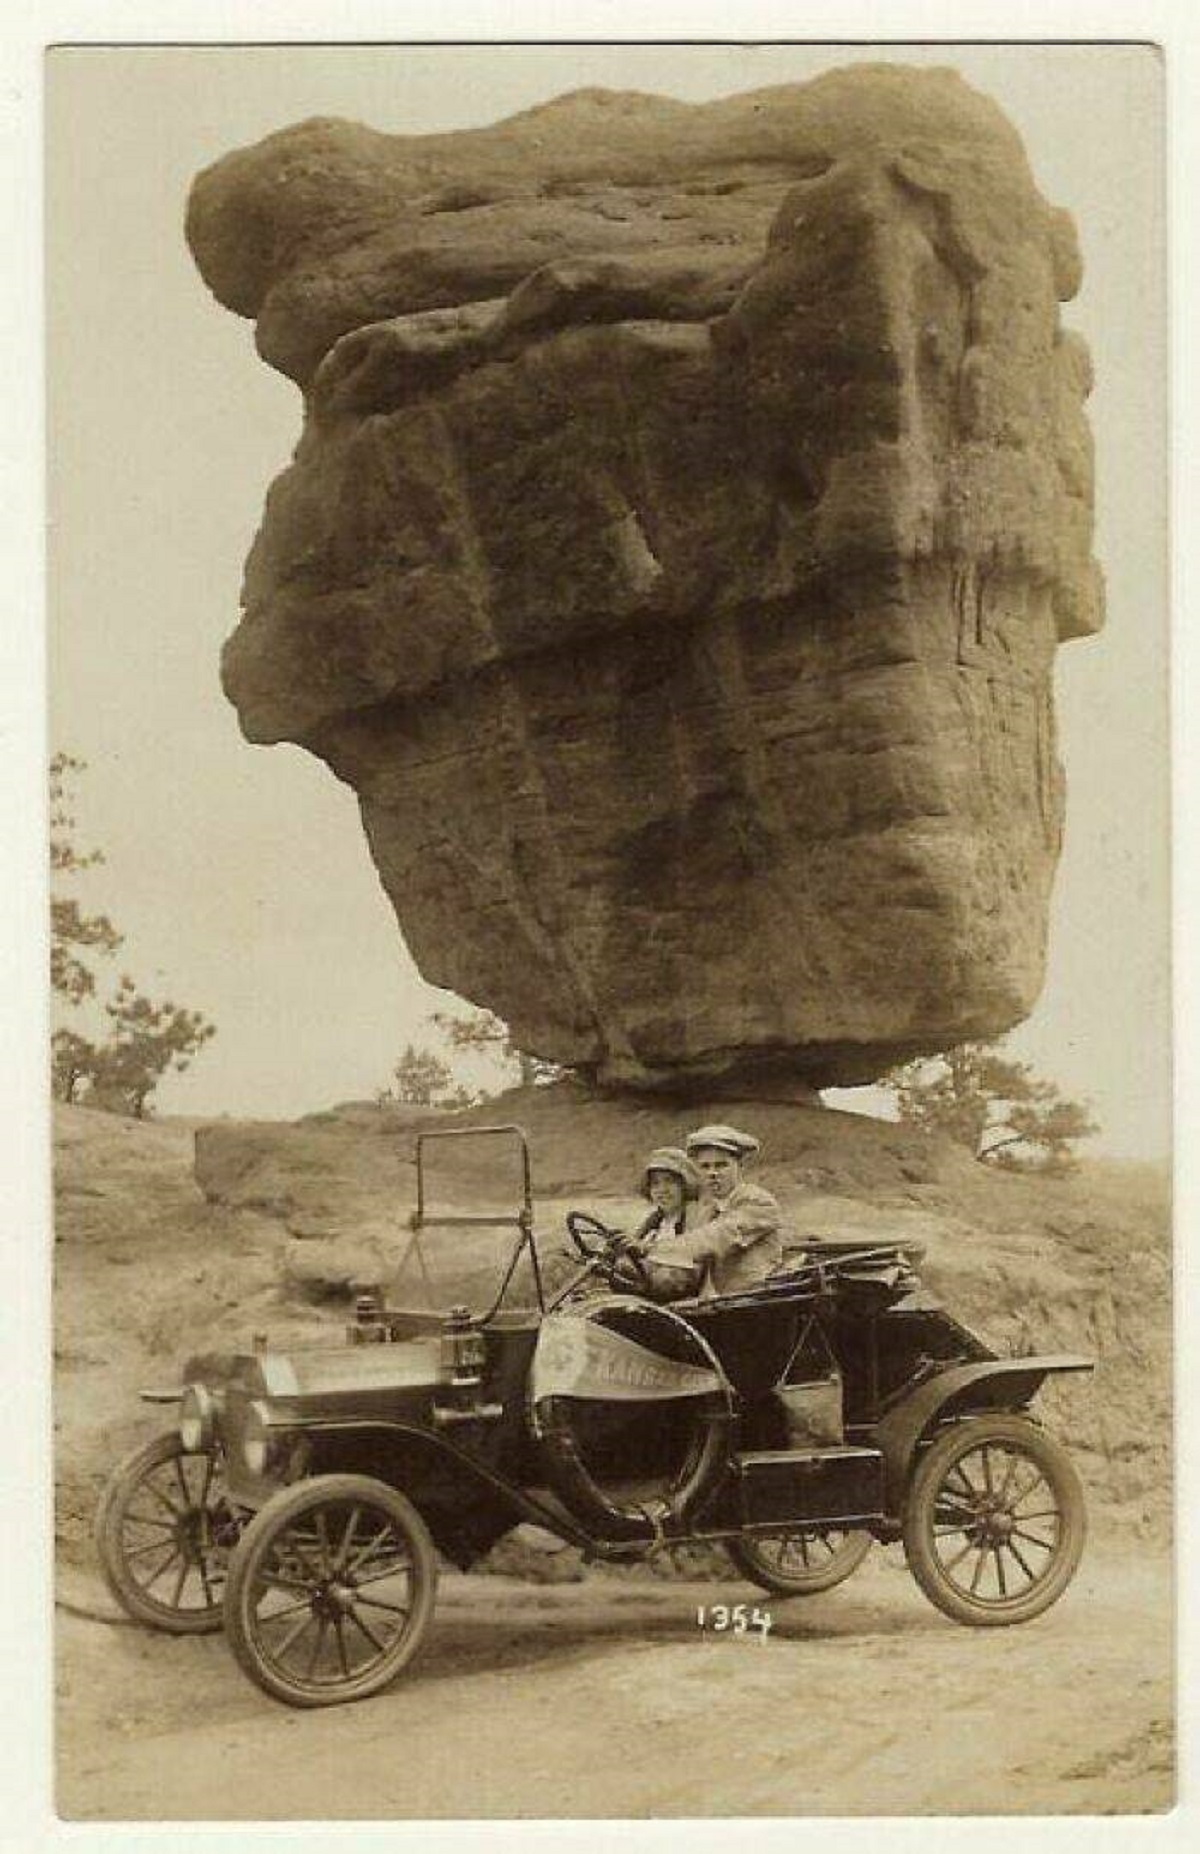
520, 1219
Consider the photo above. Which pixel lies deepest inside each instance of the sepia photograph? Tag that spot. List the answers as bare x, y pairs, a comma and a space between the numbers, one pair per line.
610, 1018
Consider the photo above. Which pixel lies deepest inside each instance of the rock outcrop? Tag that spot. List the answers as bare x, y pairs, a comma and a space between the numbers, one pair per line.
690, 502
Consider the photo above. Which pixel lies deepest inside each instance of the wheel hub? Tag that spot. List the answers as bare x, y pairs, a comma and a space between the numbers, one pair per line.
334, 1597
991, 1521
193, 1534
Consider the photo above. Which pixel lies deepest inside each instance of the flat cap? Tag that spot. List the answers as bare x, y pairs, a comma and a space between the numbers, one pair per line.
725, 1139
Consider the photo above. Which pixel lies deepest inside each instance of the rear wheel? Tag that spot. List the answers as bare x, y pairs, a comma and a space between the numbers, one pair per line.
800, 1563
164, 1530
995, 1521
331, 1590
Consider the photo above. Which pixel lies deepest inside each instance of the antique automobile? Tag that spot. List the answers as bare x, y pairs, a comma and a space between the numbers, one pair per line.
305, 1495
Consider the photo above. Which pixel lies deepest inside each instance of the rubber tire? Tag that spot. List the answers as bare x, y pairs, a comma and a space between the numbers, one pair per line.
921, 1503
779, 1583
121, 1489
280, 1511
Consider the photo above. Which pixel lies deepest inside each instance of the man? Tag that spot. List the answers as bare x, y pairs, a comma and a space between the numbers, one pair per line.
737, 1240
739, 1234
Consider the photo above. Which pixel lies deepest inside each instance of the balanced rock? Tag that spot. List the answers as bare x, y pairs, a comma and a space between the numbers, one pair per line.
690, 502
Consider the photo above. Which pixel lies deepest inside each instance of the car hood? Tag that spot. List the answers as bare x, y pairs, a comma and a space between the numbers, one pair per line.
302, 1370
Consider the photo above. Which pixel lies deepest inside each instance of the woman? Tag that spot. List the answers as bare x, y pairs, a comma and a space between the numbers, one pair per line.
672, 1184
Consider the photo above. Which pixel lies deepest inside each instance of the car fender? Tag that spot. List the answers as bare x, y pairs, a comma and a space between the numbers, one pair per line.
994, 1384
469, 1465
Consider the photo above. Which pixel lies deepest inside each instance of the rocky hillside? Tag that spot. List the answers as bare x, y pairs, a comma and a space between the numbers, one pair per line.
175, 1235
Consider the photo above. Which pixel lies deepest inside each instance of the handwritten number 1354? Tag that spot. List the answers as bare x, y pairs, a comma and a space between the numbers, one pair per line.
734, 1619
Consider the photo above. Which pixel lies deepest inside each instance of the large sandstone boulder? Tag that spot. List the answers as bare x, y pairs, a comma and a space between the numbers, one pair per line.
690, 502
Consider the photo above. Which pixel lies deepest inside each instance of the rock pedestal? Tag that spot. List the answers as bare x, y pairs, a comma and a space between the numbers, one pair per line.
690, 502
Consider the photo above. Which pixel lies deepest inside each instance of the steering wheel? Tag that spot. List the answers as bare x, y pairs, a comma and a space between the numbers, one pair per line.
592, 1239
598, 1245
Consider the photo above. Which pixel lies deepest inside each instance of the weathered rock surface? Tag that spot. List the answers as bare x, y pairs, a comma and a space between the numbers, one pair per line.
690, 502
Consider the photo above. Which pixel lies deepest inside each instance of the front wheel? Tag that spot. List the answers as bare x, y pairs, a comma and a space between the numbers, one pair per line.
163, 1533
995, 1521
331, 1590
800, 1563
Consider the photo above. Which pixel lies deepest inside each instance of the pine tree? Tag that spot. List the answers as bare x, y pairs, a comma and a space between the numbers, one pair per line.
419, 1079
146, 1040
71, 930
994, 1106
484, 1031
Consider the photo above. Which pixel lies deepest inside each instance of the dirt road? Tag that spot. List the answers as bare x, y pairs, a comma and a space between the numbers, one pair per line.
605, 1698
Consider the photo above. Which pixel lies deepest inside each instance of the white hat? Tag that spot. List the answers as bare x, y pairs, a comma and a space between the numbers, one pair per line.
725, 1139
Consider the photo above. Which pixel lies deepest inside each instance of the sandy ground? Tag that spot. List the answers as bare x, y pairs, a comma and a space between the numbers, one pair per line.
605, 1698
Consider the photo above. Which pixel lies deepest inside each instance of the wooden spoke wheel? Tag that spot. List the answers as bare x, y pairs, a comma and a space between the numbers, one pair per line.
995, 1522
164, 1530
800, 1563
331, 1590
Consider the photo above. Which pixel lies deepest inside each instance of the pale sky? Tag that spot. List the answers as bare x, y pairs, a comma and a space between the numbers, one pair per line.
239, 874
